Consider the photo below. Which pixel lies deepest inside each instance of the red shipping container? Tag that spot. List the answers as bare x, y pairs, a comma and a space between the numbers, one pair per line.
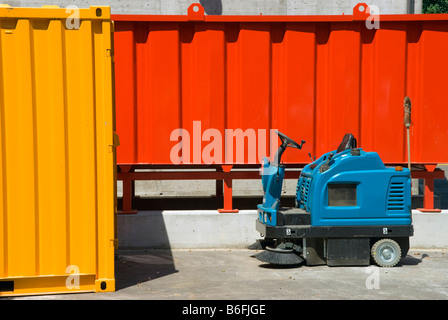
312, 77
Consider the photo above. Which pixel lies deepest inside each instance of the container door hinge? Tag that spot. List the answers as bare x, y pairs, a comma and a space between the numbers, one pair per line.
114, 243
115, 143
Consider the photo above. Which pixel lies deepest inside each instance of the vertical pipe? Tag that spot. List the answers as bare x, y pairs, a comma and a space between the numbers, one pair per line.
407, 123
411, 6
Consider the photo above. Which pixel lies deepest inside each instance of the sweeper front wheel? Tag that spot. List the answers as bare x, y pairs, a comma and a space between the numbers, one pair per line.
386, 253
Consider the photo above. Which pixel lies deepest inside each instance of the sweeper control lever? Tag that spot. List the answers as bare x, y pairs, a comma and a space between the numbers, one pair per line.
349, 209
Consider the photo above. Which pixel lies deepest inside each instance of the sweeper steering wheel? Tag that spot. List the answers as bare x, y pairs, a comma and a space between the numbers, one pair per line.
288, 142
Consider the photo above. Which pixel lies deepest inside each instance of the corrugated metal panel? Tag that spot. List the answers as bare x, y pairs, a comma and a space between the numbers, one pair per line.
56, 150
313, 78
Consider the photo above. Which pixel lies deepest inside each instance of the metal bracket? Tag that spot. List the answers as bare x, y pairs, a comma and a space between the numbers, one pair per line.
361, 12
196, 12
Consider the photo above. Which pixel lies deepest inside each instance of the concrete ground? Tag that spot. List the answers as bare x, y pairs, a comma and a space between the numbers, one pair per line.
236, 275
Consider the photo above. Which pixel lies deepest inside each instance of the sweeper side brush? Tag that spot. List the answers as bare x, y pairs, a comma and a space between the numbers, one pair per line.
285, 254
261, 244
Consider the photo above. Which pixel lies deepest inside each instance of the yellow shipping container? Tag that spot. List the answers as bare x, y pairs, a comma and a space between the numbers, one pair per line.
57, 151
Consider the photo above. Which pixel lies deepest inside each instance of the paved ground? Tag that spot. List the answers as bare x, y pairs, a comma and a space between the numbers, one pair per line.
236, 275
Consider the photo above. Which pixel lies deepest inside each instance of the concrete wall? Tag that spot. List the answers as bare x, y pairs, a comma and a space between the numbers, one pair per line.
210, 229
186, 230
231, 7
430, 230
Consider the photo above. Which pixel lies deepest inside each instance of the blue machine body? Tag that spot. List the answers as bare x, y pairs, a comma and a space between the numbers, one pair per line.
272, 180
343, 189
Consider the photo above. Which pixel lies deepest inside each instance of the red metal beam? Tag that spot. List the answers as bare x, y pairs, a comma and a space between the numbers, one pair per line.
228, 195
225, 173
197, 175
128, 176
128, 190
278, 18
429, 175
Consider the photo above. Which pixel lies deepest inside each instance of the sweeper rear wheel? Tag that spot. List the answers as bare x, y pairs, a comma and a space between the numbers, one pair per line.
386, 253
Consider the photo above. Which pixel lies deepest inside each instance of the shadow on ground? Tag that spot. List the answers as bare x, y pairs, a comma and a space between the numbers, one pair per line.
137, 265
134, 267
410, 260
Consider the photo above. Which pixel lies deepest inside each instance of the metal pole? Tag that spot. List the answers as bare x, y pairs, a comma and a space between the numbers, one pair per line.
411, 6
407, 123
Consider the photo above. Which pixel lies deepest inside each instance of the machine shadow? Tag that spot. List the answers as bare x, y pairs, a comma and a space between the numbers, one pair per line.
280, 267
411, 261
406, 261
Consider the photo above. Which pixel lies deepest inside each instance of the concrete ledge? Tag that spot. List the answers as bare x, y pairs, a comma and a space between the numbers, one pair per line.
186, 230
210, 229
430, 230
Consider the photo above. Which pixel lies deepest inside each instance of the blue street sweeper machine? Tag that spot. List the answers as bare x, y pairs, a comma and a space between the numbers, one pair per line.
350, 209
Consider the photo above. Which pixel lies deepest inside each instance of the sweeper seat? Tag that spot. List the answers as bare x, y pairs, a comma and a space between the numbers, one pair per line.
348, 142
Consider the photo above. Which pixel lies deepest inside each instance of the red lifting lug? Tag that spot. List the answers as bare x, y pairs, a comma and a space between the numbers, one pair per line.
361, 11
196, 12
